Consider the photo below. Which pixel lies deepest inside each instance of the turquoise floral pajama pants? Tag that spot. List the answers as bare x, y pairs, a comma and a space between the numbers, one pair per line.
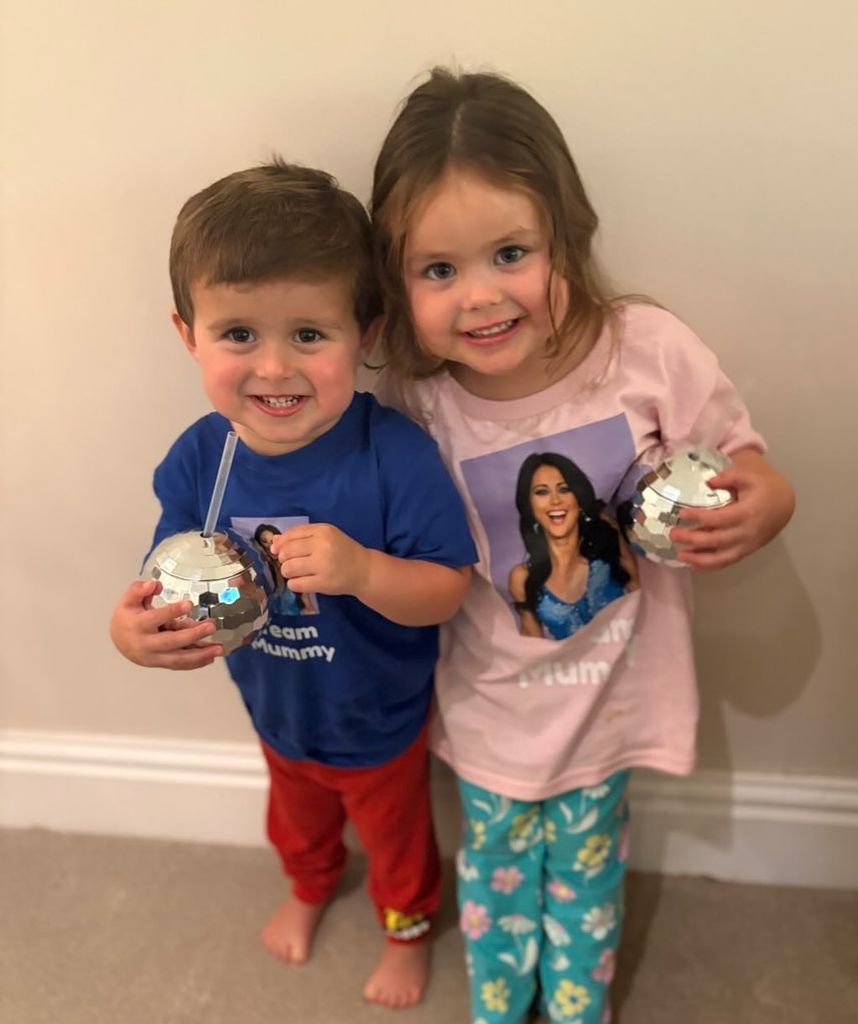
541, 901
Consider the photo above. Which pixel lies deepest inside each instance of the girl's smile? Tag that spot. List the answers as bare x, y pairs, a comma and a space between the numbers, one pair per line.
493, 334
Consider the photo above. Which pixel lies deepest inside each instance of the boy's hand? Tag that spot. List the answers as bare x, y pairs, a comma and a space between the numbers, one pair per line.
158, 637
762, 505
319, 558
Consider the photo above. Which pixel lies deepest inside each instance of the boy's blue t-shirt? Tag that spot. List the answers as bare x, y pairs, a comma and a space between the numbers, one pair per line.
343, 686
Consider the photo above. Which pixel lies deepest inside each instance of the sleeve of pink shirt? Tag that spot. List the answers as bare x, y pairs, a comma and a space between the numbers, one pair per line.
699, 404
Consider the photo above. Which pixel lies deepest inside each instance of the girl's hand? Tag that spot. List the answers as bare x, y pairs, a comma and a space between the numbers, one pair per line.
762, 505
319, 558
160, 637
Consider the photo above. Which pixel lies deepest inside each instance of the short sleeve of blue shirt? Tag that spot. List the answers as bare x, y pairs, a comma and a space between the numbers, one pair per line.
424, 516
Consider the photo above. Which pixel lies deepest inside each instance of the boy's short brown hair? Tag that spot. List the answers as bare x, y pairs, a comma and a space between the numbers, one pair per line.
278, 220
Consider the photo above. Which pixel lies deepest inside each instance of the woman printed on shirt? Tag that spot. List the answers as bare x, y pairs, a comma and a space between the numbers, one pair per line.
577, 562
284, 601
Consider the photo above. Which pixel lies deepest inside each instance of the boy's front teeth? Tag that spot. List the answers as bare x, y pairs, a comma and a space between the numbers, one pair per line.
279, 401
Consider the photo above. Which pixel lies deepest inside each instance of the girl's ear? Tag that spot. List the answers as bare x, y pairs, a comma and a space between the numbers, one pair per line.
186, 333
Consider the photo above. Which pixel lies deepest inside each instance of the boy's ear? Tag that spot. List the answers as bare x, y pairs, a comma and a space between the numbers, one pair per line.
186, 333
370, 336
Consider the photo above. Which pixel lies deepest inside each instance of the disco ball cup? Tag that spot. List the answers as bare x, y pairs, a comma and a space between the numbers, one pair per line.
661, 495
220, 580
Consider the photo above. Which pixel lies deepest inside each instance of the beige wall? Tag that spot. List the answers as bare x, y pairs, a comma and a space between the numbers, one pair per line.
719, 147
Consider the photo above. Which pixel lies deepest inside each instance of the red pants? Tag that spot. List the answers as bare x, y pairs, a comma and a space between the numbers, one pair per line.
389, 806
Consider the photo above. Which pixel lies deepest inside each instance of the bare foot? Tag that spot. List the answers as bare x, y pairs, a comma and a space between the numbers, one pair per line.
400, 975
289, 933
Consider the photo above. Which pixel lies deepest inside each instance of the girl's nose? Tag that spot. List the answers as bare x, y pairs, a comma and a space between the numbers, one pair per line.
480, 292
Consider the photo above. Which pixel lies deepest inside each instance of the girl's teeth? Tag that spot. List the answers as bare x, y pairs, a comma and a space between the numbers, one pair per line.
279, 401
487, 332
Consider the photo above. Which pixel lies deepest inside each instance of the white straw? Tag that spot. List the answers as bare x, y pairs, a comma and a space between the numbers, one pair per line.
220, 483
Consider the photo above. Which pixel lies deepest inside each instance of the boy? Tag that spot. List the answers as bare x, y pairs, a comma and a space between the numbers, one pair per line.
276, 300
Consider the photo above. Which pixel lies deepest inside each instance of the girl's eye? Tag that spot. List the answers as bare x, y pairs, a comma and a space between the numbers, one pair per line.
510, 254
307, 335
241, 335
440, 271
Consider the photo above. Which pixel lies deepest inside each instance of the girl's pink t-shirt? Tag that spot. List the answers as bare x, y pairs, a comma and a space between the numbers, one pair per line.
531, 717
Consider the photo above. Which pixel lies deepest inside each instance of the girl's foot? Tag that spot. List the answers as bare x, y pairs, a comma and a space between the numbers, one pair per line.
289, 933
400, 975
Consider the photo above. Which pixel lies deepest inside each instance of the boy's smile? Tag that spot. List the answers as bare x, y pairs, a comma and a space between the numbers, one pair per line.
278, 358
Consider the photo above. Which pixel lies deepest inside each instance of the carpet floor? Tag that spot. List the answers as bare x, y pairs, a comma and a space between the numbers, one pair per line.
118, 931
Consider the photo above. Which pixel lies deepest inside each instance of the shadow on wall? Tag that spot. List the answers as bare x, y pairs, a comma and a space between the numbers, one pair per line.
757, 665
761, 665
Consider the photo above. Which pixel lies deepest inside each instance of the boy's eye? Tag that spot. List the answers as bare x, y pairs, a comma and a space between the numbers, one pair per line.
241, 335
308, 335
440, 271
510, 254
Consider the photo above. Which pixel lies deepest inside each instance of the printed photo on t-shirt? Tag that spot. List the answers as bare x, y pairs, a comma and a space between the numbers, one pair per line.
259, 533
557, 555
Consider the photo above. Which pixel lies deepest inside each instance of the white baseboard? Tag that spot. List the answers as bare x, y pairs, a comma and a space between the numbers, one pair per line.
748, 827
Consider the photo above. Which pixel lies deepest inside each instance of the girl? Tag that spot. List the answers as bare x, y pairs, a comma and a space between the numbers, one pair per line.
502, 339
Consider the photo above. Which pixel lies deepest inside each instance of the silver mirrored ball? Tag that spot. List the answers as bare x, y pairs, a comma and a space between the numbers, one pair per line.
217, 577
679, 483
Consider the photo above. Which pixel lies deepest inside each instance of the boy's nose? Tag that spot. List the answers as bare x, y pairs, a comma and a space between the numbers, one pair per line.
274, 363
